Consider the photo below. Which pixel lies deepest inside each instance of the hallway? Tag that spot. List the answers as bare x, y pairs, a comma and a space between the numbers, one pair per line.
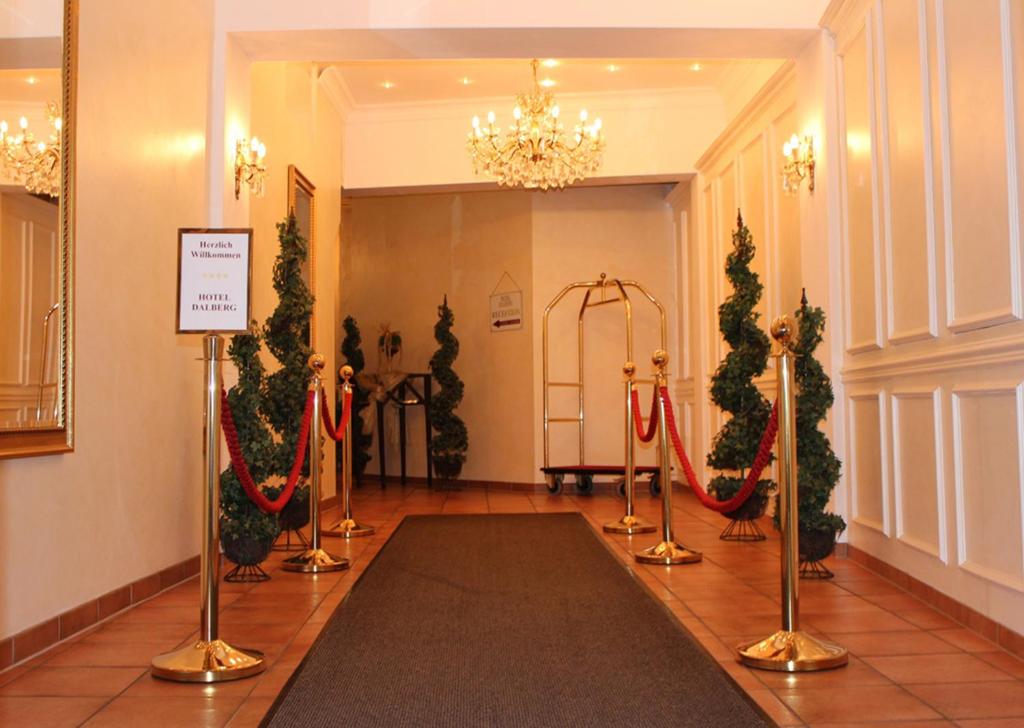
905, 656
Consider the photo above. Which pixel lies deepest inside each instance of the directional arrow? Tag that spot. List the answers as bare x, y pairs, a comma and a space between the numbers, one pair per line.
506, 322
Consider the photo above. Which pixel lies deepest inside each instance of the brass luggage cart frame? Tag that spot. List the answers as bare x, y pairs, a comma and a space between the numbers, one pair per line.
583, 472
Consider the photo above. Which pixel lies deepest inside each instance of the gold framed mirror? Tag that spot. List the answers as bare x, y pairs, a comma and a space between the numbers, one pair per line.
37, 214
302, 204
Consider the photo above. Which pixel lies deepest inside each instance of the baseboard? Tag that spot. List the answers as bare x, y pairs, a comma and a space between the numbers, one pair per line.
988, 628
45, 635
371, 480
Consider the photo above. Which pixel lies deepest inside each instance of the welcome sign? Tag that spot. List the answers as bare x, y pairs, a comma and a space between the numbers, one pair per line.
214, 280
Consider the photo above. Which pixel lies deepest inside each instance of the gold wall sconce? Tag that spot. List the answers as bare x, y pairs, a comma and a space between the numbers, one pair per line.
799, 154
249, 166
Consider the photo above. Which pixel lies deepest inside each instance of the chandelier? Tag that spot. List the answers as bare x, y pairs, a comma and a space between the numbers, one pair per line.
534, 151
31, 162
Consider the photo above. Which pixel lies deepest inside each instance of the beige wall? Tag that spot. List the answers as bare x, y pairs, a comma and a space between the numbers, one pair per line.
402, 256
124, 504
933, 356
626, 232
291, 115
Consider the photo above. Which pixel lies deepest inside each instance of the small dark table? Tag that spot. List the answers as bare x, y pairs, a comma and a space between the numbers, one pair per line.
406, 395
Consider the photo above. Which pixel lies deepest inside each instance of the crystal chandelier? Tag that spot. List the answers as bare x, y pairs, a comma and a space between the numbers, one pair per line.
31, 162
534, 151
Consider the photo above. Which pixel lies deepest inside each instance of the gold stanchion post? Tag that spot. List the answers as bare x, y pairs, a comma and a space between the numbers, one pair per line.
347, 527
209, 659
315, 560
789, 649
630, 523
667, 552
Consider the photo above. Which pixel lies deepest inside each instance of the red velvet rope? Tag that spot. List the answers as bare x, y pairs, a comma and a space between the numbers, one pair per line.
336, 434
764, 455
241, 469
652, 421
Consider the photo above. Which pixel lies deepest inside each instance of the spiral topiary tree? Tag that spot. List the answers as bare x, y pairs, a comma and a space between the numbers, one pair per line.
247, 532
351, 349
451, 440
286, 333
818, 468
732, 387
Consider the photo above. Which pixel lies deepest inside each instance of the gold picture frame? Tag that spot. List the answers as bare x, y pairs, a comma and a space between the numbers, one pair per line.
302, 203
22, 442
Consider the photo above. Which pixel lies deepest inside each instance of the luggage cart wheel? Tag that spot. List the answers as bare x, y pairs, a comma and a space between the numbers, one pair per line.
555, 483
655, 485
585, 483
622, 487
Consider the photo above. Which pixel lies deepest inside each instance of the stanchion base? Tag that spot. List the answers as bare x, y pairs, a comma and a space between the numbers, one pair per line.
630, 525
208, 662
787, 651
315, 561
348, 528
667, 553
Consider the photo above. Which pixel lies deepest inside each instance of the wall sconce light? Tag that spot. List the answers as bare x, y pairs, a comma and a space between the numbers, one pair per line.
799, 164
249, 166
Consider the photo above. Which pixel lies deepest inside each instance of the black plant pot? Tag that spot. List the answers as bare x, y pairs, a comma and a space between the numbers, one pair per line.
247, 551
447, 469
295, 514
815, 546
742, 525
751, 509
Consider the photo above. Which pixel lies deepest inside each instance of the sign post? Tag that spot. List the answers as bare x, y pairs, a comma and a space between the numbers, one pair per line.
214, 275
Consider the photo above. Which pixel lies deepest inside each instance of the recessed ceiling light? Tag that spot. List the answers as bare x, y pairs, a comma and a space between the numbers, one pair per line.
31, 80
388, 85
549, 63
695, 67
547, 82
612, 68
465, 80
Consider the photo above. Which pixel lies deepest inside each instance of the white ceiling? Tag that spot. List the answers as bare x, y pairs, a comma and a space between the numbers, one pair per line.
371, 83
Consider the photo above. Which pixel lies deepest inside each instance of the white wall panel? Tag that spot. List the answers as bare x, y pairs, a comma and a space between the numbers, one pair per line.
861, 249
917, 480
865, 460
982, 231
907, 152
753, 204
987, 455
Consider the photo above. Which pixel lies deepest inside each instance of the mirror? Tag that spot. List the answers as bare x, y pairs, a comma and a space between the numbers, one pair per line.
302, 203
37, 108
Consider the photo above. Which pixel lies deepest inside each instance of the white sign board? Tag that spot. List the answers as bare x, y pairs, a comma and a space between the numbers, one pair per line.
507, 311
214, 280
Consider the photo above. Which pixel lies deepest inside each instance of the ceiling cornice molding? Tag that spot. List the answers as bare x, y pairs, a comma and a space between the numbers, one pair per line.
676, 98
679, 196
783, 81
841, 14
337, 91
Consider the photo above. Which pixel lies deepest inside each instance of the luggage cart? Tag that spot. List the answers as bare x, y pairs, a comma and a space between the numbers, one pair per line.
582, 472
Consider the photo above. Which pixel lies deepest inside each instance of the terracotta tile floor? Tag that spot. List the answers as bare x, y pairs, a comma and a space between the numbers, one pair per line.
910, 665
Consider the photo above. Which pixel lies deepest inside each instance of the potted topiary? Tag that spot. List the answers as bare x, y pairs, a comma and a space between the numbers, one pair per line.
450, 441
818, 467
286, 332
247, 533
734, 391
361, 441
